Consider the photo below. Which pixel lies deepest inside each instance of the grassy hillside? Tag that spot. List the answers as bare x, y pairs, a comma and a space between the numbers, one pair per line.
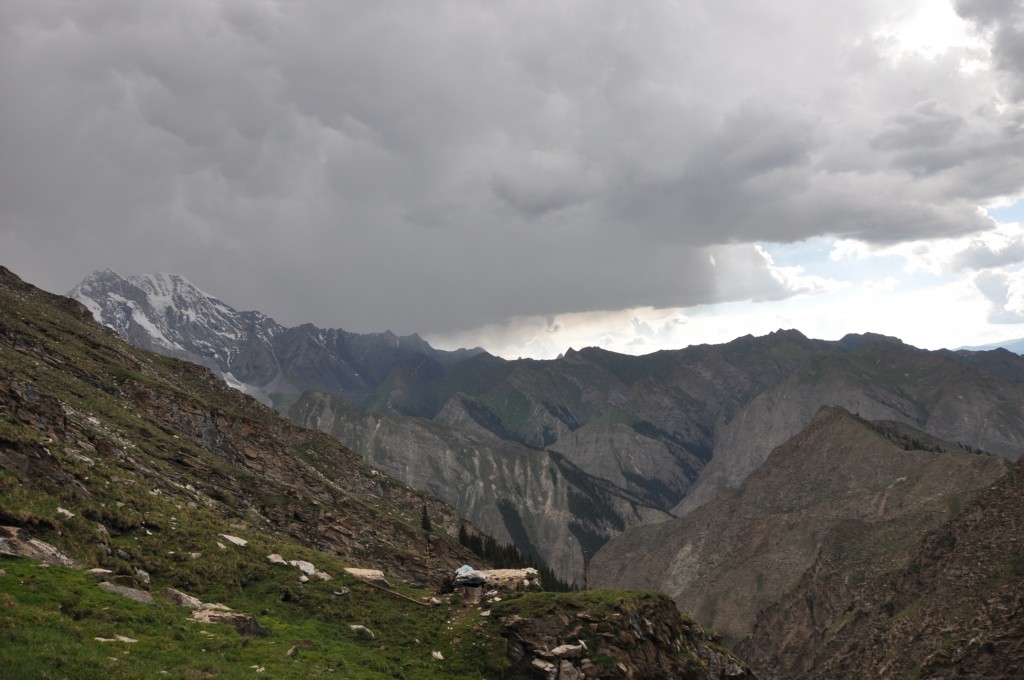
150, 474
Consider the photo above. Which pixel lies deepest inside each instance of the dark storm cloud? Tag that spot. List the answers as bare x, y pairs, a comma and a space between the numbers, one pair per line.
430, 167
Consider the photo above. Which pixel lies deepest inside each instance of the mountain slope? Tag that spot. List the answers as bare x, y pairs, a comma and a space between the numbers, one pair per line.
953, 609
173, 428
677, 427
160, 476
744, 550
534, 498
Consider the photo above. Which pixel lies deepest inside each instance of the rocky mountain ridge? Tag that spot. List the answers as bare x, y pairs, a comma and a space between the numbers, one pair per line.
953, 608
840, 479
167, 314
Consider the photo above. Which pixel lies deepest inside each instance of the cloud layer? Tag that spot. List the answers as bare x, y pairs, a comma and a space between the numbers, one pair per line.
434, 167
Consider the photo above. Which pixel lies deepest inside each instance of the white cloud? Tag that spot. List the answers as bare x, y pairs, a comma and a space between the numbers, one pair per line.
1005, 293
881, 306
927, 29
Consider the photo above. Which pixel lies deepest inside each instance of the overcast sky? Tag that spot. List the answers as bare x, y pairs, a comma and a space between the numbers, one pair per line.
526, 175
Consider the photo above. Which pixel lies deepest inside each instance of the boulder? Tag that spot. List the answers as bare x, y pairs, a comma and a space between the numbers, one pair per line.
234, 539
362, 630
18, 542
124, 591
245, 624
566, 671
375, 576
304, 566
569, 651
182, 599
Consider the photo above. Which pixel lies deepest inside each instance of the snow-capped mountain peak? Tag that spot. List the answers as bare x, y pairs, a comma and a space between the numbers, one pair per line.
167, 313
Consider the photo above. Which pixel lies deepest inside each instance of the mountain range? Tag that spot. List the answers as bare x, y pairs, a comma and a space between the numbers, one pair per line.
806, 497
166, 313
630, 439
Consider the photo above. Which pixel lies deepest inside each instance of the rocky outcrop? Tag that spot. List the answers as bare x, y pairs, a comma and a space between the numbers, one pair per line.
245, 624
181, 599
16, 541
374, 576
842, 481
131, 593
636, 637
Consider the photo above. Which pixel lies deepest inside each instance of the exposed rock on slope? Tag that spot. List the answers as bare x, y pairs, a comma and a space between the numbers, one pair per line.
954, 609
536, 499
840, 477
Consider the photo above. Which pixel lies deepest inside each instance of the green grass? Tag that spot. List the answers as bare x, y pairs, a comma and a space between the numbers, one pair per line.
151, 499
50, 617
598, 603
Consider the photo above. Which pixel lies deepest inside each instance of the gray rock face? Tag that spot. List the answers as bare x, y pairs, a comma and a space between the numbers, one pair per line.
18, 542
245, 624
182, 599
531, 497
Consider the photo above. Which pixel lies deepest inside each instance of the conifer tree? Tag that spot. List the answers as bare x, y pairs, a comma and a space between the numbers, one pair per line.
425, 520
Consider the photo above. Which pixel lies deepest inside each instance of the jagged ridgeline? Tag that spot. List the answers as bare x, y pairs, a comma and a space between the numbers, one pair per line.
178, 528
561, 456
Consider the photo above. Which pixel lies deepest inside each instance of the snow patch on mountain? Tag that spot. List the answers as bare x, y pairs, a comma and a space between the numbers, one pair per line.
166, 313
169, 314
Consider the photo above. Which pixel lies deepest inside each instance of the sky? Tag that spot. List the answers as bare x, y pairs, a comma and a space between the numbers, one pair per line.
530, 176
